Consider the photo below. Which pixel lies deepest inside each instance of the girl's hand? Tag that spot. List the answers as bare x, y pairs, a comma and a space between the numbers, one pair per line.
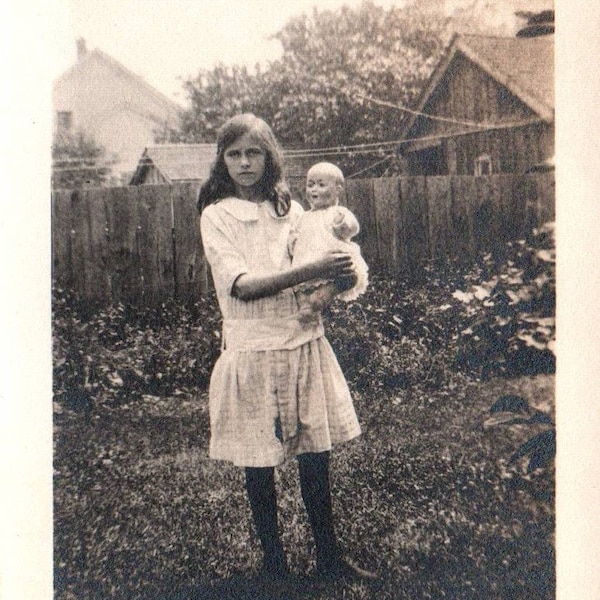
333, 265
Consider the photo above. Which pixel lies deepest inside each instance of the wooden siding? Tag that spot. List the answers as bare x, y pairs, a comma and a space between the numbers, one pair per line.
468, 93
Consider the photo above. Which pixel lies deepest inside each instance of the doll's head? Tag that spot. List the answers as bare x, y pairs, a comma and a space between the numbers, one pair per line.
220, 184
324, 184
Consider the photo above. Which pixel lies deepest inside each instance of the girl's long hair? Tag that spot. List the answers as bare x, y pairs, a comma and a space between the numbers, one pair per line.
219, 184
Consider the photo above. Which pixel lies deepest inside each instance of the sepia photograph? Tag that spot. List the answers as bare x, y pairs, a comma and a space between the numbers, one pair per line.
302, 302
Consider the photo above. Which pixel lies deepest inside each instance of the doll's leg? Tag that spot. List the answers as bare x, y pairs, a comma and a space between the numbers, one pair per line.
316, 493
260, 485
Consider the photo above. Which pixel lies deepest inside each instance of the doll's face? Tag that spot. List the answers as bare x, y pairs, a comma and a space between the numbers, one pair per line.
322, 188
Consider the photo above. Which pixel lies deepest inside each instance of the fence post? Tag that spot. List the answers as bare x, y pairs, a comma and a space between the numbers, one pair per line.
154, 243
124, 258
359, 198
415, 227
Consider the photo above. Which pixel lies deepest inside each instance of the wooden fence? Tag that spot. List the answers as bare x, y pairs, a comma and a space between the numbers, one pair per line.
141, 244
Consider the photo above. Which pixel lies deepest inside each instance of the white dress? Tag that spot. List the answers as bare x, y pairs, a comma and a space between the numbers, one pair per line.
277, 388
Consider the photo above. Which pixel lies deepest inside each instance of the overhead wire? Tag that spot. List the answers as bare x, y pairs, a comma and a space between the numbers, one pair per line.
375, 147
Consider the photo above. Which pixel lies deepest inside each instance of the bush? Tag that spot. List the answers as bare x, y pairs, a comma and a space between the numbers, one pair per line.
480, 320
126, 352
509, 310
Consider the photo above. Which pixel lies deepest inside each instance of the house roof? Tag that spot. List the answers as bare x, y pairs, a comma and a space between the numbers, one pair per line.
177, 162
525, 66
98, 55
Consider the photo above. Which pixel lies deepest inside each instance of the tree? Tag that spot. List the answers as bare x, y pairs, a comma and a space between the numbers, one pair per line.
78, 161
343, 79
315, 95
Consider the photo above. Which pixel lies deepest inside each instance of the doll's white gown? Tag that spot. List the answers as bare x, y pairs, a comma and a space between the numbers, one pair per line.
315, 235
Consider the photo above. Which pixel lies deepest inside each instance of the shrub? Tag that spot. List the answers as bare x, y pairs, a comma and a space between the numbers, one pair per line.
509, 310
479, 320
126, 352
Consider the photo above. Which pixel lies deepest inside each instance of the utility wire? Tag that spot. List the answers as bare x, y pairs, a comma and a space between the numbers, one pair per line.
370, 166
341, 150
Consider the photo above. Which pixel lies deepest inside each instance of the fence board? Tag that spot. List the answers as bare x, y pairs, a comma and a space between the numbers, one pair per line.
506, 207
190, 263
155, 242
81, 244
359, 197
386, 193
413, 203
97, 272
484, 213
124, 259
60, 227
439, 197
463, 200
545, 197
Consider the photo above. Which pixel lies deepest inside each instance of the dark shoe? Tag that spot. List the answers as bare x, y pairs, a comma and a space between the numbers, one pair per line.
274, 567
343, 568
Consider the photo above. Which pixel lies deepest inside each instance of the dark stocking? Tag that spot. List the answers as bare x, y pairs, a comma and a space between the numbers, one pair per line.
260, 485
316, 493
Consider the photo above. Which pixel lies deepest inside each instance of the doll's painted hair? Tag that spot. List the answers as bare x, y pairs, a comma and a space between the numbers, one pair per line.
330, 169
219, 184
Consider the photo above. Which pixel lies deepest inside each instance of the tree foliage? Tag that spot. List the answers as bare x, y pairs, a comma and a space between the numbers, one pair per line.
316, 94
342, 79
78, 161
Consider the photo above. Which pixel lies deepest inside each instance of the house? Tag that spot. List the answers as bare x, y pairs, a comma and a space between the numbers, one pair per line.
115, 107
488, 107
169, 163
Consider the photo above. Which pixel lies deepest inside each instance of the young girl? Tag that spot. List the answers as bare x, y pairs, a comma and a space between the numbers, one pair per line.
277, 389
326, 226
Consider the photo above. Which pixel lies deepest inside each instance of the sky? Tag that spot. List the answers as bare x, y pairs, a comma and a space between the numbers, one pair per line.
165, 41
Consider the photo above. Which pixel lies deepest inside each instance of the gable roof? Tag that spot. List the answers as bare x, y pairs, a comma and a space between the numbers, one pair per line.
176, 162
120, 70
525, 66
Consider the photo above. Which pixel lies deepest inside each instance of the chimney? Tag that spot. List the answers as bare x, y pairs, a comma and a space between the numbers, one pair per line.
537, 24
81, 49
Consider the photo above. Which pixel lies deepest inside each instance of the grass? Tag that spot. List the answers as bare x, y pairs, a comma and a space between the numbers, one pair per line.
424, 496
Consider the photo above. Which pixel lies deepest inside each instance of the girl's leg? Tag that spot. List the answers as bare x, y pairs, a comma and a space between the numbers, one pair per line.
316, 493
260, 486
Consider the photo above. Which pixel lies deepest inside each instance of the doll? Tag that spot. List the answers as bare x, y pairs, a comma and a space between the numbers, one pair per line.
326, 227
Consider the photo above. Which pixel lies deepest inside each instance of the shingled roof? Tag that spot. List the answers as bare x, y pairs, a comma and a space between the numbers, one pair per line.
177, 162
525, 66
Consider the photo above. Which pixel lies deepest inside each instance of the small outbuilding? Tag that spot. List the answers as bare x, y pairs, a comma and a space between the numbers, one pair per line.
487, 108
171, 163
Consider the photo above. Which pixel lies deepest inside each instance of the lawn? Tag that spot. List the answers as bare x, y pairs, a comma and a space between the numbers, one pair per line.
424, 496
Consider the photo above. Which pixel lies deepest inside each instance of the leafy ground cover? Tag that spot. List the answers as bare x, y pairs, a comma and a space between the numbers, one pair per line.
424, 496
427, 495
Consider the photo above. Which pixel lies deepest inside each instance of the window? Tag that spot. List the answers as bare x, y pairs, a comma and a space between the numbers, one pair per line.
64, 120
483, 165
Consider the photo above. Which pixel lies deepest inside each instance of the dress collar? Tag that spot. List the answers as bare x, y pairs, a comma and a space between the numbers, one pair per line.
244, 210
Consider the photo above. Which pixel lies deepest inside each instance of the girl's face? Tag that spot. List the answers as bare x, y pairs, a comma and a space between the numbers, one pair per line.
322, 189
245, 162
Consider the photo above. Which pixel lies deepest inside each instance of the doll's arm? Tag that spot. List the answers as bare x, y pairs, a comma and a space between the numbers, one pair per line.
344, 224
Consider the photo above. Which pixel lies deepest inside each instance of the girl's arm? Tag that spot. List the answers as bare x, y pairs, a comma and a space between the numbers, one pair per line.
250, 287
